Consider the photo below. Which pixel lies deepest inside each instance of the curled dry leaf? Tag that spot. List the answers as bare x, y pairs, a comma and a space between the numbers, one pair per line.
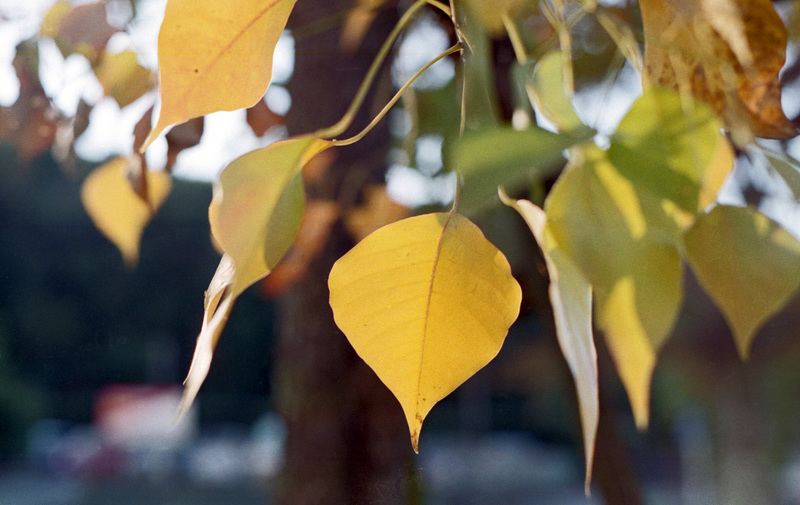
727, 53
182, 137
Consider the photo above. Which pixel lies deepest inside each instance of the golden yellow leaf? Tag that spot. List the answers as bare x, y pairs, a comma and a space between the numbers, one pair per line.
426, 302
215, 56
727, 53
571, 299
749, 265
625, 243
123, 78
115, 207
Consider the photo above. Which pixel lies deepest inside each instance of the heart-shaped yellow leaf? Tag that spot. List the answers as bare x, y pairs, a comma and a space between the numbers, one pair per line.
727, 53
571, 299
426, 302
626, 245
115, 208
215, 56
748, 263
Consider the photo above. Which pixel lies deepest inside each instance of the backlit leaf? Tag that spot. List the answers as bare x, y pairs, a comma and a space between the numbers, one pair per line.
215, 56
546, 88
255, 215
258, 205
116, 208
625, 244
571, 299
727, 53
502, 156
668, 146
426, 302
748, 263
123, 78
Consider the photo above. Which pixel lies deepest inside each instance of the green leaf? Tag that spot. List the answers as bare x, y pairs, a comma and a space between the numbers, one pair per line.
667, 146
255, 215
546, 88
624, 242
748, 263
258, 206
426, 302
571, 299
502, 156
787, 167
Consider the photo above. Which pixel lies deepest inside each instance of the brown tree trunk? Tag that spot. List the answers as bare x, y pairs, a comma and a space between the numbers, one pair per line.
347, 441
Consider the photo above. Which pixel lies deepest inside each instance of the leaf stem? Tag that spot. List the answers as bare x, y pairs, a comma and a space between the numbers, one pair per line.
395, 98
361, 94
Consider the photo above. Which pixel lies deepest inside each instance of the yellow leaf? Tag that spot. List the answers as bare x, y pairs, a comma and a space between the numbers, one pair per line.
747, 263
215, 56
122, 77
426, 302
255, 215
727, 53
258, 205
571, 299
626, 245
116, 209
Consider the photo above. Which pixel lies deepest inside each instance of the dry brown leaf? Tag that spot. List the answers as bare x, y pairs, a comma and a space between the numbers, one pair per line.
261, 118
30, 124
727, 53
181, 137
84, 30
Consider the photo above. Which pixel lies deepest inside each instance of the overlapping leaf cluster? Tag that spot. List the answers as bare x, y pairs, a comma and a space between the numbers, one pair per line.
427, 301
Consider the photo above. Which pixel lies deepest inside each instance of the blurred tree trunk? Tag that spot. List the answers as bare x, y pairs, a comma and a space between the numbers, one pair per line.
347, 440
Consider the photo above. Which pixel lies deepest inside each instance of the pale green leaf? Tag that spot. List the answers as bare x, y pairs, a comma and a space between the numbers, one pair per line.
624, 242
258, 206
546, 88
426, 302
571, 299
215, 56
255, 215
787, 167
748, 263
502, 156
667, 144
